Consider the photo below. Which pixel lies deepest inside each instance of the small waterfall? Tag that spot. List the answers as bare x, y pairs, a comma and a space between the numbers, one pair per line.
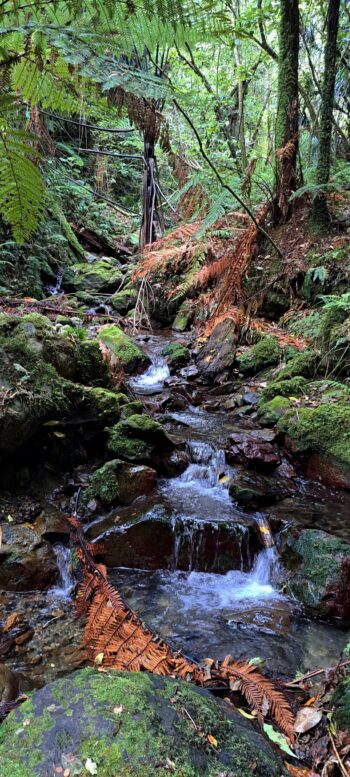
154, 377
65, 581
208, 464
265, 564
54, 290
265, 531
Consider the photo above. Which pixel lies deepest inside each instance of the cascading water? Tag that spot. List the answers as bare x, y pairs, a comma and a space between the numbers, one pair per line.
154, 377
65, 581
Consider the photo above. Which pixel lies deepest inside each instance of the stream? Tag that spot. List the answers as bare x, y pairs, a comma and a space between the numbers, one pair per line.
196, 605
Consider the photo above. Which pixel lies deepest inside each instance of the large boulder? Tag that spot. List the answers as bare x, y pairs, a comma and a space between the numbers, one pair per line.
324, 431
103, 275
140, 439
318, 566
26, 560
216, 357
254, 448
130, 725
121, 350
120, 483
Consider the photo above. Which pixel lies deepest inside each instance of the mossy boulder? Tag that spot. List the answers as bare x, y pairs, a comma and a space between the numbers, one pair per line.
122, 351
102, 275
130, 725
265, 353
270, 412
341, 702
124, 300
319, 572
183, 318
177, 355
284, 388
303, 363
325, 431
139, 438
92, 369
120, 483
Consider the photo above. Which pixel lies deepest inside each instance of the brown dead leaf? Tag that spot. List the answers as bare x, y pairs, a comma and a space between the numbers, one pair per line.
12, 620
307, 718
296, 771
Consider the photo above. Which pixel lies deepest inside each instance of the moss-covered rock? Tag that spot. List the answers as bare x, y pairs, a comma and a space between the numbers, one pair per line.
284, 388
124, 300
101, 275
92, 369
27, 561
183, 318
103, 405
141, 439
319, 572
120, 483
123, 352
265, 353
325, 429
303, 363
341, 702
177, 355
270, 412
130, 725
216, 357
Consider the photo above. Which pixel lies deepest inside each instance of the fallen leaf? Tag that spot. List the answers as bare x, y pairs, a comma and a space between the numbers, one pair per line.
310, 701
26, 722
212, 740
307, 718
118, 710
66, 773
11, 621
90, 766
246, 714
99, 659
279, 739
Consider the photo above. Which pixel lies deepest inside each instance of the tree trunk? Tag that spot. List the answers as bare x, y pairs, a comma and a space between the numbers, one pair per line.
150, 215
320, 215
286, 136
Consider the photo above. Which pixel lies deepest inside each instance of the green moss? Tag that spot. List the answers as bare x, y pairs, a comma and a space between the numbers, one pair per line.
104, 404
136, 741
304, 363
314, 559
130, 408
284, 388
124, 300
325, 429
124, 445
97, 276
91, 367
176, 354
144, 425
183, 317
123, 349
104, 483
270, 412
265, 353
341, 701
40, 322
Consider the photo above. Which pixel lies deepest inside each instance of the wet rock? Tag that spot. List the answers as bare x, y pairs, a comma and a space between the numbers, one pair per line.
65, 716
52, 524
254, 490
140, 439
121, 350
175, 463
177, 355
26, 561
120, 483
235, 400
216, 357
319, 572
250, 397
190, 372
253, 448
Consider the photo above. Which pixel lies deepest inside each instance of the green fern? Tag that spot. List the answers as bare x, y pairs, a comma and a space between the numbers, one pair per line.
22, 191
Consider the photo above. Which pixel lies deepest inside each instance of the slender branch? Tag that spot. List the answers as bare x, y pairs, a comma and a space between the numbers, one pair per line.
225, 185
82, 124
110, 153
102, 197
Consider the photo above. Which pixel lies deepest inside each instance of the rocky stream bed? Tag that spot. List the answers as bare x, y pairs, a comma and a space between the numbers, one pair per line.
203, 515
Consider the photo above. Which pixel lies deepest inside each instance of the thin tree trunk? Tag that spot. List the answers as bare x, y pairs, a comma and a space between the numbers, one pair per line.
320, 215
286, 136
150, 215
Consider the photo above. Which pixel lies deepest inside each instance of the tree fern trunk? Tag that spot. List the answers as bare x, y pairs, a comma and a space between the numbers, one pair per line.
320, 215
150, 216
286, 136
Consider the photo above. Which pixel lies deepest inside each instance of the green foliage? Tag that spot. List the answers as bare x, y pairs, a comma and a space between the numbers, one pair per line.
21, 185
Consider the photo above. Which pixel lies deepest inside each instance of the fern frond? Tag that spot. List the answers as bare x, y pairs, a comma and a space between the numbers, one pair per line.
22, 192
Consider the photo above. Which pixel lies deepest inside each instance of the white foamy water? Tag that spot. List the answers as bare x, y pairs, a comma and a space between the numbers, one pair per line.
64, 586
154, 377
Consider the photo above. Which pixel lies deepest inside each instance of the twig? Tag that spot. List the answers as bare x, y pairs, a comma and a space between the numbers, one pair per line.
226, 185
316, 672
343, 770
88, 126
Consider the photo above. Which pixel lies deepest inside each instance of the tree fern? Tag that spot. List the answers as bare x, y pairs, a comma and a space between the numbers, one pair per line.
21, 184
